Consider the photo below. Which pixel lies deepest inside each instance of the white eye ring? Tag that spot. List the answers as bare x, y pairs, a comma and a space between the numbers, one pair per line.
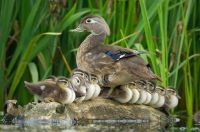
90, 21
77, 80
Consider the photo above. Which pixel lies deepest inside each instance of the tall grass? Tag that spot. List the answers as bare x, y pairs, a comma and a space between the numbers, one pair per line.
31, 47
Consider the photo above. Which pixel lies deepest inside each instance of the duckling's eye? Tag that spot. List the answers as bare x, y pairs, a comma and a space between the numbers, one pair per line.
65, 83
77, 81
86, 76
82, 74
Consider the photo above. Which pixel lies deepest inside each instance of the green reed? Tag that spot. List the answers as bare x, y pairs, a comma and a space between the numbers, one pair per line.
31, 47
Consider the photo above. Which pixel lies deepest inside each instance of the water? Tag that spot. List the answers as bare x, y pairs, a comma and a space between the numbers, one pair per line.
172, 124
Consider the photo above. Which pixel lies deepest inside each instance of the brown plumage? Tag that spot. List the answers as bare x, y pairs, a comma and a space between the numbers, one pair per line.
113, 65
57, 89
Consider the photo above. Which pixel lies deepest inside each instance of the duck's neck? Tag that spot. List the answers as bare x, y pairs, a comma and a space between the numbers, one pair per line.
92, 41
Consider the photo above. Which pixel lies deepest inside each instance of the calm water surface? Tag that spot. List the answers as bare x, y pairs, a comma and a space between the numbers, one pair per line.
174, 124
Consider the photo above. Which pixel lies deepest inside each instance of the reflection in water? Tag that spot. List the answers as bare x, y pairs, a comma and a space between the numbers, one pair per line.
174, 124
186, 124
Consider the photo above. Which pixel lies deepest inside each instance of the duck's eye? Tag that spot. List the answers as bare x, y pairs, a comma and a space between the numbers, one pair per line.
82, 74
86, 76
77, 81
88, 21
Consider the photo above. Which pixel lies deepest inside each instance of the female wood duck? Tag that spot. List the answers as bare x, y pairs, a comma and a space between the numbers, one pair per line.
57, 89
113, 65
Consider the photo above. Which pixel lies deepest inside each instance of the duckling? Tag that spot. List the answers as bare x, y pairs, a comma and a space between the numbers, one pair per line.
123, 94
135, 92
81, 80
53, 89
94, 82
171, 98
91, 83
148, 99
161, 101
143, 94
113, 65
149, 88
154, 95
79, 83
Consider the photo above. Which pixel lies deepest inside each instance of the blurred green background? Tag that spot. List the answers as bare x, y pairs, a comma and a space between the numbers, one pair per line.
35, 41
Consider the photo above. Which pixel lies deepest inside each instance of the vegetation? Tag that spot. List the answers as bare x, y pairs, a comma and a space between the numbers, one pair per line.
35, 41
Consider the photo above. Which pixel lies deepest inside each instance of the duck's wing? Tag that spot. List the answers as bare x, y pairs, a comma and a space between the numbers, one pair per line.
135, 64
108, 54
118, 53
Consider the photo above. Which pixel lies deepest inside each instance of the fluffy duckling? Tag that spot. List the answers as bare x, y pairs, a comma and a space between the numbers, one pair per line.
143, 94
114, 65
135, 92
171, 98
94, 82
91, 83
81, 86
123, 94
149, 88
154, 99
154, 95
161, 101
148, 99
81, 81
53, 89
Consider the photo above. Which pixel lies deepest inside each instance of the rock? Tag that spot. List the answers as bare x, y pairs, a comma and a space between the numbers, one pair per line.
95, 111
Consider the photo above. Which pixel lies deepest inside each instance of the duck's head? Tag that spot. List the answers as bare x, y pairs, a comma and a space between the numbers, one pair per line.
140, 84
93, 78
150, 87
83, 74
160, 90
79, 84
94, 24
172, 91
63, 83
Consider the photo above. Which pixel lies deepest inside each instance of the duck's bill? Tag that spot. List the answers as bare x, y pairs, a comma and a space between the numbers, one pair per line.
78, 29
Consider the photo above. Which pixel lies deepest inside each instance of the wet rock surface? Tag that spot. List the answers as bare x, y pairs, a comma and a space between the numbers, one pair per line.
98, 111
